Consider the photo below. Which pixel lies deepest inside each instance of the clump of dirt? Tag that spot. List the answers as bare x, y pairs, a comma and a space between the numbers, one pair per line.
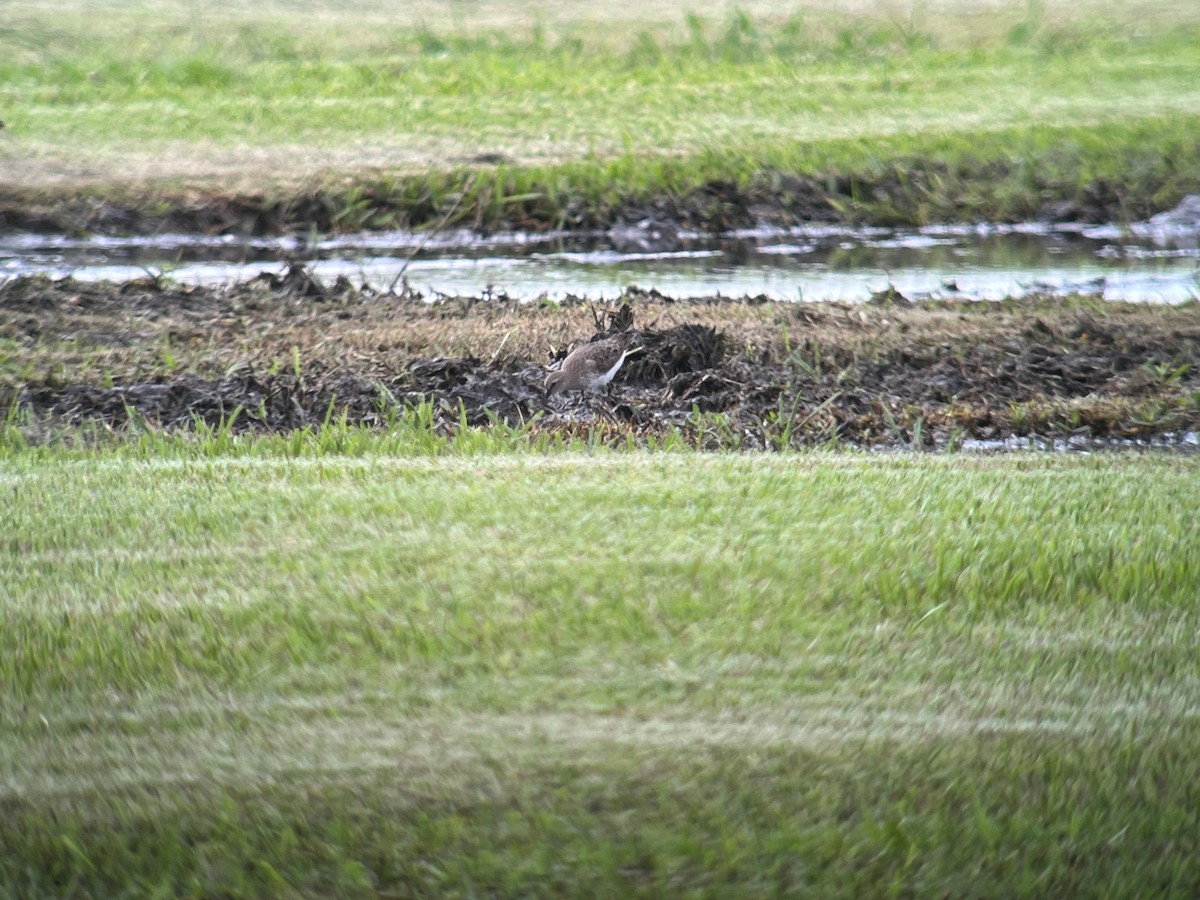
284, 352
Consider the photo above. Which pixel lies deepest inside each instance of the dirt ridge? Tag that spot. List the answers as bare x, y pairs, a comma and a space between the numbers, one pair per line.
286, 352
906, 193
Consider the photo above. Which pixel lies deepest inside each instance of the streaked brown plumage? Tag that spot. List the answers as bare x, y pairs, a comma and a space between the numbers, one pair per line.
592, 366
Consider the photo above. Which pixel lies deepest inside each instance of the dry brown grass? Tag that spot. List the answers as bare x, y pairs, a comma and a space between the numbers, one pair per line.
79, 330
767, 372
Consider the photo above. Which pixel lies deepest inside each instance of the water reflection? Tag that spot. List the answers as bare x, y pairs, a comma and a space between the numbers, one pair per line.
816, 263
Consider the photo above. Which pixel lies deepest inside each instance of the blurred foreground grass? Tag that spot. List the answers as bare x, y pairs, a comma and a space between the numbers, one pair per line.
614, 673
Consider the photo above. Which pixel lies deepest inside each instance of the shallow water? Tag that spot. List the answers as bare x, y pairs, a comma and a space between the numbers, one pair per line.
808, 263
1186, 442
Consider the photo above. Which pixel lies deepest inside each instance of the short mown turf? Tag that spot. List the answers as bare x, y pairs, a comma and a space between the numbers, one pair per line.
610, 673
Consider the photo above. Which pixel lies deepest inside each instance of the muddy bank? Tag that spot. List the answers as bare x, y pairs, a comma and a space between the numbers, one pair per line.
286, 352
908, 192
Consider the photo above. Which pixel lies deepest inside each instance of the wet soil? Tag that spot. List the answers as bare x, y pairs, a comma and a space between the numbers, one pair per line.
285, 352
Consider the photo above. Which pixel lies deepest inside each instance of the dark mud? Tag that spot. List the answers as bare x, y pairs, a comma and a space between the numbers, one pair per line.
287, 352
909, 192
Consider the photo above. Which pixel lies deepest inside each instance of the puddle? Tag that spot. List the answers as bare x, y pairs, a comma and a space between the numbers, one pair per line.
808, 263
1188, 441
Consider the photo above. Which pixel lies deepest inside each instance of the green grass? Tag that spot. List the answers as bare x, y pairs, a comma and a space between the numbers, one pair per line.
522, 674
669, 99
588, 117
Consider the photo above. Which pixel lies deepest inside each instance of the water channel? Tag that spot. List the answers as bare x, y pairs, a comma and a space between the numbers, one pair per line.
800, 264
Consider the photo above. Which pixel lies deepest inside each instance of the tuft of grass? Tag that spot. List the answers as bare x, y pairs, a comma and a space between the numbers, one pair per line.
407, 430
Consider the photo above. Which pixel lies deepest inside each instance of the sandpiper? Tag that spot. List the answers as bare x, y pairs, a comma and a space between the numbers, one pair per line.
592, 366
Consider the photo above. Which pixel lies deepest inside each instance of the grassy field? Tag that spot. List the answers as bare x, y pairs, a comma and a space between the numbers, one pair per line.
958, 110
402, 675
420, 659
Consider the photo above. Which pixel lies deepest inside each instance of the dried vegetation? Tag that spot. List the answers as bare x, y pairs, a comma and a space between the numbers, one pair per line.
283, 352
